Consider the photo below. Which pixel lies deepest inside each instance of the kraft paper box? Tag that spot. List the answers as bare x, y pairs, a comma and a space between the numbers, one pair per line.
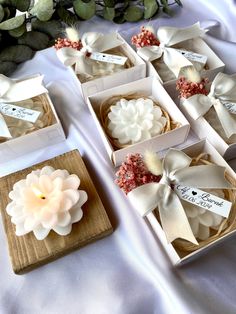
197, 45
175, 255
39, 138
150, 87
135, 72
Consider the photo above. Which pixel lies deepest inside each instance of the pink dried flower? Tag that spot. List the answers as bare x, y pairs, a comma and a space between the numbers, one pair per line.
67, 43
145, 38
188, 89
133, 173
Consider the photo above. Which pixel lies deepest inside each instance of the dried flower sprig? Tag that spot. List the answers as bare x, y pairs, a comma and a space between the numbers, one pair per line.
190, 83
67, 43
145, 38
133, 173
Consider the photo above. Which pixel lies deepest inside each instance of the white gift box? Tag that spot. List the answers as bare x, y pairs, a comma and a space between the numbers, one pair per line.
198, 45
37, 139
150, 87
173, 253
136, 72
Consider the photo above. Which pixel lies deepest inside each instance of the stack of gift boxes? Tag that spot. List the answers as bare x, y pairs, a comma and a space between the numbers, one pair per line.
143, 102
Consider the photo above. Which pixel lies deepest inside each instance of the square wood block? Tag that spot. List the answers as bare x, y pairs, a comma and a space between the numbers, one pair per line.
26, 252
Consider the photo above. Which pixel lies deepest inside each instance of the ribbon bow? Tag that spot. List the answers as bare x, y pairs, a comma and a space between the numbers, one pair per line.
17, 90
176, 170
92, 42
223, 89
169, 36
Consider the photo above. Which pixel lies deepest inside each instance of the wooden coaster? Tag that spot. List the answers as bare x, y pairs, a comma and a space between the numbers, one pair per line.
26, 251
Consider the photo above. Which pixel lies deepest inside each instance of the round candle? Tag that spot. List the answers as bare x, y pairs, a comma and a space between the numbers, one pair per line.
47, 199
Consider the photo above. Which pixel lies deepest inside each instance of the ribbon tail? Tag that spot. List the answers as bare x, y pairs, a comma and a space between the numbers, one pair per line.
4, 131
173, 218
227, 121
175, 60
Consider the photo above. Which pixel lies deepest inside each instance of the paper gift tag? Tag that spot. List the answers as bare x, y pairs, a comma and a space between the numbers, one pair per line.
19, 112
104, 57
204, 200
192, 56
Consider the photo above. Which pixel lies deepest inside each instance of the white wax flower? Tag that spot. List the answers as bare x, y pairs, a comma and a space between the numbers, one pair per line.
201, 220
47, 199
135, 120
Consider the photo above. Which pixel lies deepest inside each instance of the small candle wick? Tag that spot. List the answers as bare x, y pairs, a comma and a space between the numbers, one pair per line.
38, 193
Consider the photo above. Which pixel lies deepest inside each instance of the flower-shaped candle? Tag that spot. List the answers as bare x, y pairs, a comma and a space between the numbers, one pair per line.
135, 120
202, 220
47, 199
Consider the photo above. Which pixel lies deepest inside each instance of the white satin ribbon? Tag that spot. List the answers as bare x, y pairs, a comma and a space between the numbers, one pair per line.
176, 170
223, 89
18, 90
92, 42
169, 36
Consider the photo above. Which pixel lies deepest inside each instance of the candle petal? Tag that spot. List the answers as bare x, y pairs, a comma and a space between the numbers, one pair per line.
47, 170
58, 183
206, 219
64, 219
72, 182
50, 222
83, 197
76, 214
63, 230
59, 173
32, 179
30, 223
20, 230
45, 184
73, 195
40, 232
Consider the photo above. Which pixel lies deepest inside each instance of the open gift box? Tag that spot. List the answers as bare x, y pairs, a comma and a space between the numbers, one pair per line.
212, 115
147, 87
29, 124
133, 69
164, 62
186, 201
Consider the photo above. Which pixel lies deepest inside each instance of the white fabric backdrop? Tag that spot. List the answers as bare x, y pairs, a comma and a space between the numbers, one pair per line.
127, 272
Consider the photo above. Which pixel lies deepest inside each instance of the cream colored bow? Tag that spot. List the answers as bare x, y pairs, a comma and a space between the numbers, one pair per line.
223, 89
16, 90
92, 42
176, 170
169, 36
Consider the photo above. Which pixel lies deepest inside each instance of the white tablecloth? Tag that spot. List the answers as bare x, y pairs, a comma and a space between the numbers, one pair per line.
127, 272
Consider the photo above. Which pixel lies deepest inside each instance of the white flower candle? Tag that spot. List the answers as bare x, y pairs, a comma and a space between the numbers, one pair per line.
135, 120
47, 199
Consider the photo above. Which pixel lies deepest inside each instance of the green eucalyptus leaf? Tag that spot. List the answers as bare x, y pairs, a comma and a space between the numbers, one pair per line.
133, 14
109, 3
119, 19
21, 5
19, 31
52, 28
43, 9
1, 13
13, 22
108, 13
85, 10
164, 3
7, 13
7, 67
17, 54
34, 40
167, 10
67, 16
151, 8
